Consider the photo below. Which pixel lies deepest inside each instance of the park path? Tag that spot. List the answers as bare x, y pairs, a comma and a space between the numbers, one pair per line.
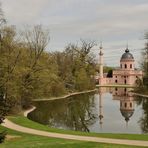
7, 123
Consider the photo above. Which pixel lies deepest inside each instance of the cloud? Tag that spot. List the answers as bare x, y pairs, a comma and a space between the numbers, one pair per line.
113, 21
23, 11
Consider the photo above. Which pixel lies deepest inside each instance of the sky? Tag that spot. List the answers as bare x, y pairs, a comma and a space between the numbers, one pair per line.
114, 22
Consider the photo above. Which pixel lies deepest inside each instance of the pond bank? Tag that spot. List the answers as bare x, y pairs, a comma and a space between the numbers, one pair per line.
27, 126
26, 112
23, 129
114, 85
140, 95
66, 96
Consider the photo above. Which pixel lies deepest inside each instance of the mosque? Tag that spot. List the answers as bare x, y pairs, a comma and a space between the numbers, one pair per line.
125, 98
126, 74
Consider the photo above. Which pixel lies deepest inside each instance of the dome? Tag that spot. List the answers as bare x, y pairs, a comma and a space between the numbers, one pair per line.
127, 114
127, 55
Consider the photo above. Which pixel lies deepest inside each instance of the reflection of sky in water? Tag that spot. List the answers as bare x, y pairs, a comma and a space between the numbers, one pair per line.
73, 113
113, 121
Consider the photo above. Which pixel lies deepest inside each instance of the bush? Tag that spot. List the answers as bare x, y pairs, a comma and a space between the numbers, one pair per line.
3, 136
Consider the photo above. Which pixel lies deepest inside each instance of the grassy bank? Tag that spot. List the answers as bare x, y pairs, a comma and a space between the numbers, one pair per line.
66, 95
115, 85
21, 140
28, 123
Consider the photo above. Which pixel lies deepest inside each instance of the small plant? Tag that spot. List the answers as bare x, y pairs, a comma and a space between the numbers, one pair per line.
3, 136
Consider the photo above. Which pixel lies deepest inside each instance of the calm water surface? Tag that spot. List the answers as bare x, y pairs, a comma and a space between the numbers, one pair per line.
108, 110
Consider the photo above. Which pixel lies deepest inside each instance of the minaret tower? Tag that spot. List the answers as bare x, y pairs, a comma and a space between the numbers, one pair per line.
100, 108
101, 64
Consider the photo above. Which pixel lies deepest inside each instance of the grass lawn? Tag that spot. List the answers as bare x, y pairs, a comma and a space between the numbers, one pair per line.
32, 141
21, 120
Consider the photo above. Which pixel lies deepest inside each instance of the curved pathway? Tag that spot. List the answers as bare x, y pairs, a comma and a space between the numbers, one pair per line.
26, 112
19, 128
65, 96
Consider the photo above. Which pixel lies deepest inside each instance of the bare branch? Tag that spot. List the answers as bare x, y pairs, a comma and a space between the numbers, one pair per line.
37, 40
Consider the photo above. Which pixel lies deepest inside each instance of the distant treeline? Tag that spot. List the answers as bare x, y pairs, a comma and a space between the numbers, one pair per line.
27, 71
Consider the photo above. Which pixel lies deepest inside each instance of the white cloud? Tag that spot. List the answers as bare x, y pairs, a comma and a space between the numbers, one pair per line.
23, 11
113, 21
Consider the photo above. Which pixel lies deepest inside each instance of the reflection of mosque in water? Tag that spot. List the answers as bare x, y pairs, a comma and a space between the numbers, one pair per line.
126, 101
124, 95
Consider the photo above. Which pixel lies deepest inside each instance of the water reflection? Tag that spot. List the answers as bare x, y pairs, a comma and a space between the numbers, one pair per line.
74, 114
127, 103
143, 121
100, 91
126, 98
106, 110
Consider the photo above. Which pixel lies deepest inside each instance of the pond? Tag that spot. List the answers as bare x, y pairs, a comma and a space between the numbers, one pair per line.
108, 110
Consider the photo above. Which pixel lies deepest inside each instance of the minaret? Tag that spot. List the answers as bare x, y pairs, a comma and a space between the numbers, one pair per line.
101, 64
100, 108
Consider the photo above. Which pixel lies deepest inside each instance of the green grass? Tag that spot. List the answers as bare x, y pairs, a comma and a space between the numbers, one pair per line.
32, 141
28, 123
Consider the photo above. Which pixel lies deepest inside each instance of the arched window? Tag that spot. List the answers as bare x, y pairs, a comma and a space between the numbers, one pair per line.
125, 65
116, 81
130, 104
130, 65
125, 105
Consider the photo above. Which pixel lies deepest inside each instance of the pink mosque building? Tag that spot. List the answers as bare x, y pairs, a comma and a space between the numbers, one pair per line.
125, 98
127, 74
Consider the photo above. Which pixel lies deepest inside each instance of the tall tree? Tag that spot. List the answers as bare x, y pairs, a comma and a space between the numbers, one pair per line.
77, 66
36, 40
4, 108
145, 61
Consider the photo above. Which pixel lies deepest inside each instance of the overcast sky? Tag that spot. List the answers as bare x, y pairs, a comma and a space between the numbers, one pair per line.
113, 21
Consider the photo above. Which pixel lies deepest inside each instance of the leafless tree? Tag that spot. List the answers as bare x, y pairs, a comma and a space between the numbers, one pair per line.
36, 40
2, 19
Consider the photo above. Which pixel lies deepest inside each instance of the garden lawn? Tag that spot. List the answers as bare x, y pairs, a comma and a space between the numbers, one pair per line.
23, 121
22, 140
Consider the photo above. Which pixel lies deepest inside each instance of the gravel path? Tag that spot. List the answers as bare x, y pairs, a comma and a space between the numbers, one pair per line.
7, 123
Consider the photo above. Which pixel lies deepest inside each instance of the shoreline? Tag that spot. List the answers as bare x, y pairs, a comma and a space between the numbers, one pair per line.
140, 95
26, 112
40, 132
65, 96
115, 85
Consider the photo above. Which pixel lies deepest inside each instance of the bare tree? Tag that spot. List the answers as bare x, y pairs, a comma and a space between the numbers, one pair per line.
36, 40
2, 19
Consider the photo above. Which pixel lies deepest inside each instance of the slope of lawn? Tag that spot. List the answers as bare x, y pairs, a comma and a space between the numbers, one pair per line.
22, 140
21, 120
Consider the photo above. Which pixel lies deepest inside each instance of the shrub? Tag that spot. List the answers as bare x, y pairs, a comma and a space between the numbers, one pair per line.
2, 136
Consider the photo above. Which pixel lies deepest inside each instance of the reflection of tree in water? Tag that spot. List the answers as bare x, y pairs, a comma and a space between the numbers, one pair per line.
80, 113
144, 119
76, 113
